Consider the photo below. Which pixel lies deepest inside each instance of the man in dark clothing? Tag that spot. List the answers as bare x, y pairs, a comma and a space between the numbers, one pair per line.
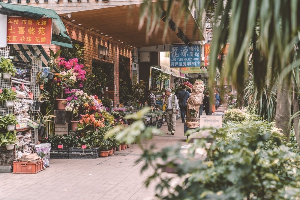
206, 104
182, 97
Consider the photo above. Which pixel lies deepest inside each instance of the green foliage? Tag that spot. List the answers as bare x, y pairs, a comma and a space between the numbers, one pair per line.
106, 102
76, 52
248, 159
6, 66
138, 90
7, 120
95, 84
8, 95
7, 138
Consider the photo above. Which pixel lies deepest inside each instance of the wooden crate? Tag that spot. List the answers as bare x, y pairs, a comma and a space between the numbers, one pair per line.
61, 129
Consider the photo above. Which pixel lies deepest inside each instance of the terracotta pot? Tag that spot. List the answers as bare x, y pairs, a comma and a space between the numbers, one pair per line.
111, 152
104, 153
74, 125
123, 146
41, 87
127, 146
120, 147
61, 104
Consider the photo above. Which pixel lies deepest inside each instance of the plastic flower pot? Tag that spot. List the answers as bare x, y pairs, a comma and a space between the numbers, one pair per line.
10, 146
104, 153
61, 104
9, 104
50, 76
74, 125
37, 105
11, 127
6, 75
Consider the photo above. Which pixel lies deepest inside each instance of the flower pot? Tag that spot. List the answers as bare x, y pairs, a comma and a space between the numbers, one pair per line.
74, 125
10, 146
37, 105
41, 87
50, 76
6, 75
123, 146
111, 152
120, 148
11, 127
104, 153
61, 104
9, 104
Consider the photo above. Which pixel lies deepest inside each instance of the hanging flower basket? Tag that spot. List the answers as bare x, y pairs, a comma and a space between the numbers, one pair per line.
6, 75
10, 146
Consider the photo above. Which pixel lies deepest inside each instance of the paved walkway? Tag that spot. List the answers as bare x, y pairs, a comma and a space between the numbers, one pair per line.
114, 177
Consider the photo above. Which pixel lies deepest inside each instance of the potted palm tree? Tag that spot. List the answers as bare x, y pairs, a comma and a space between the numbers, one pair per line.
7, 68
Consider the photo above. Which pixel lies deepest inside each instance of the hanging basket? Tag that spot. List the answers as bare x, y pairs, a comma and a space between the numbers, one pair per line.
9, 104
6, 75
11, 127
10, 147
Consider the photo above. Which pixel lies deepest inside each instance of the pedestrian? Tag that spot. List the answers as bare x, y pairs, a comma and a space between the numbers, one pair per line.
151, 99
171, 111
206, 103
182, 96
217, 99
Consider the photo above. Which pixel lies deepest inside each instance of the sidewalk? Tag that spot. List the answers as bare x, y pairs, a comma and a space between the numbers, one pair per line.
115, 177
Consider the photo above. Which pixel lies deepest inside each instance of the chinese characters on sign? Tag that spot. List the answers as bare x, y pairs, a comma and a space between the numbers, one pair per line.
206, 54
207, 50
29, 31
185, 56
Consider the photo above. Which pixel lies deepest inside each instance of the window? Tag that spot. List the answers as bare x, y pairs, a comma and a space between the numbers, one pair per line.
102, 52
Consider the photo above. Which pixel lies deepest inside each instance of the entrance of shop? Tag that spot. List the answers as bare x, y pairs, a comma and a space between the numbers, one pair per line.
104, 79
125, 81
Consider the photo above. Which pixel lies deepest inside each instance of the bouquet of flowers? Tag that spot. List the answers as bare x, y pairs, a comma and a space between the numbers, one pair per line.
187, 85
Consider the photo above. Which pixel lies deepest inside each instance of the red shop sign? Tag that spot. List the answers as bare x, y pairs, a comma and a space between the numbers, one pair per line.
22, 30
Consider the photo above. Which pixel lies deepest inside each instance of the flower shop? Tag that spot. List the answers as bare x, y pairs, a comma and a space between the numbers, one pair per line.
46, 108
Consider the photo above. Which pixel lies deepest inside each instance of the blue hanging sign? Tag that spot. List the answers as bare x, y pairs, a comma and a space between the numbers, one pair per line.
185, 56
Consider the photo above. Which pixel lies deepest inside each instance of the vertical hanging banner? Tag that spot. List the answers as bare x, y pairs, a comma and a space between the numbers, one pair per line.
185, 56
206, 54
22, 30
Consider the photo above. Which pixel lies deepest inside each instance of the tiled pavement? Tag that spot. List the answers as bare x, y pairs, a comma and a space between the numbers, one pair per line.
114, 177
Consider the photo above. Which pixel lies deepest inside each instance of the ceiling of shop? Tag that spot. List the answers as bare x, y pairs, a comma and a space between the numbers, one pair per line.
121, 23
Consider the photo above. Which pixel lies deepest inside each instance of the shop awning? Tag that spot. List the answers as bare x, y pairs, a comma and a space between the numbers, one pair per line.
59, 33
25, 53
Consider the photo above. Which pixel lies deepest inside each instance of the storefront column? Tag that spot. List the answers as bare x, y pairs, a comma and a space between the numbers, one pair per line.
116, 75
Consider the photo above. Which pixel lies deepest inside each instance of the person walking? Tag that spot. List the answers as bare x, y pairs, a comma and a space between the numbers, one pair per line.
171, 111
183, 96
206, 104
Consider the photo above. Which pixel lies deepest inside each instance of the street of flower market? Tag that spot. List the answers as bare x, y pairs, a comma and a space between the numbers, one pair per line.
149, 100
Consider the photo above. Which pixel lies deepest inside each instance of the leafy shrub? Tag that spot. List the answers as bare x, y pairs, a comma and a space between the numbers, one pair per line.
246, 160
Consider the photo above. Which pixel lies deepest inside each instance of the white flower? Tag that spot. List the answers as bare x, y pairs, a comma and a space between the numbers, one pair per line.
73, 78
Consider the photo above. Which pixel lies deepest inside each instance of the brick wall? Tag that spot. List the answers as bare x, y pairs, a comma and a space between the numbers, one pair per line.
91, 41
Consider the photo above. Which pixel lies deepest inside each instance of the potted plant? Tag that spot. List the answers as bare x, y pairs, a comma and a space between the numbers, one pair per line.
7, 68
8, 140
8, 123
8, 96
104, 148
51, 63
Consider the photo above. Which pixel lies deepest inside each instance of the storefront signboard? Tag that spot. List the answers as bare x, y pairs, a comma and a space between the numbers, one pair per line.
185, 56
22, 30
